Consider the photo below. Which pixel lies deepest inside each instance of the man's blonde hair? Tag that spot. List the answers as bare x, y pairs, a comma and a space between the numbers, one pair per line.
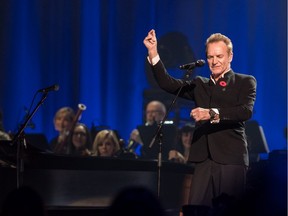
216, 37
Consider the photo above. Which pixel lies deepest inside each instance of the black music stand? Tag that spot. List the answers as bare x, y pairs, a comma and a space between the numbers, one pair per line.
147, 132
256, 139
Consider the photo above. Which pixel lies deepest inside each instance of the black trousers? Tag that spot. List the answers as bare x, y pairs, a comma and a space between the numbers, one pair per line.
211, 179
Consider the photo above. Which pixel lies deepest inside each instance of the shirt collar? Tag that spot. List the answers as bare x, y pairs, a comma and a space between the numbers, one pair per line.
222, 76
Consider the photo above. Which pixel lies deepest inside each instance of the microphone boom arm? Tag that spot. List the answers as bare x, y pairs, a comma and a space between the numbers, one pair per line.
20, 140
158, 135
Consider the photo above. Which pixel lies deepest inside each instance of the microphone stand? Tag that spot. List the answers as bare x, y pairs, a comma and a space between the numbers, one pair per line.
19, 138
159, 134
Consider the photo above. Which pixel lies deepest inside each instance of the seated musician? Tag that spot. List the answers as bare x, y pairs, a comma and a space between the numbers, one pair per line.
143, 134
80, 140
106, 144
63, 121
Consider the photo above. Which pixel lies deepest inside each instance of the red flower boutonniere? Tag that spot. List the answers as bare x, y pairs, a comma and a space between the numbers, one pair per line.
223, 83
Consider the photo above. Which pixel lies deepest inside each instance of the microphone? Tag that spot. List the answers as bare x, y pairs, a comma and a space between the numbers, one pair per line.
189, 66
54, 87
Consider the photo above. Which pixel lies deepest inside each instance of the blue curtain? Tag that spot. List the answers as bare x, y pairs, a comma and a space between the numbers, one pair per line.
94, 50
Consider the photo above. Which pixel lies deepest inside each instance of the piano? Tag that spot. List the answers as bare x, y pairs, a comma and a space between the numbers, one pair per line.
69, 181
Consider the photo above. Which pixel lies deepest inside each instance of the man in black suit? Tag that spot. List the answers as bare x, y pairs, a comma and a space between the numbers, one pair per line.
223, 102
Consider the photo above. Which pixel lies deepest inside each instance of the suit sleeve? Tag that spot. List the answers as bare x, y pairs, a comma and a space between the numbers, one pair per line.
244, 109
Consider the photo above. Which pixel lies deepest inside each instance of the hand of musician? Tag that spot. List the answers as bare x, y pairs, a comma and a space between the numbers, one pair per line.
176, 156
62, 135
135, 136
150, 41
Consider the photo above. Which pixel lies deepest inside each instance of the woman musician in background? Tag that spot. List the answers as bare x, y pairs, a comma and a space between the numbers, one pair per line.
80, 140
106, 144
65, 121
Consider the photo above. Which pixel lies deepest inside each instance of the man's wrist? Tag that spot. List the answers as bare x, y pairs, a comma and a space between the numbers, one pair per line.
153, 61
214, 115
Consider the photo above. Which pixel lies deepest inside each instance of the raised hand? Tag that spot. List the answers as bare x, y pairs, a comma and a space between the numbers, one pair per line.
150, 41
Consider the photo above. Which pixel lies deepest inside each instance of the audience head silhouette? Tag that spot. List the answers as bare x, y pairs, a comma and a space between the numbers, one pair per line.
23, 201
136, 201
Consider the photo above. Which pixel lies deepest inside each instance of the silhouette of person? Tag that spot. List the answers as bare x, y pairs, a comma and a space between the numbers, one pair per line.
136, 201
23, 201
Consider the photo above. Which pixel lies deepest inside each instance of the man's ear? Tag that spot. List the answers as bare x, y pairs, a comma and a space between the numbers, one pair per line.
231, 57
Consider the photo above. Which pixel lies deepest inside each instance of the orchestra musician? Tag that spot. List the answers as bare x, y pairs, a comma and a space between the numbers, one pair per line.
63, 121
80, 140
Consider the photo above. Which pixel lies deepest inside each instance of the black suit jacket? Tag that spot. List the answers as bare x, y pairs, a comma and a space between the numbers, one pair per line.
234, 95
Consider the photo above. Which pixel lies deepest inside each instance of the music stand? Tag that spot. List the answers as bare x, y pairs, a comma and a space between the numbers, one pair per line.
147, 132
256, 139
38, 142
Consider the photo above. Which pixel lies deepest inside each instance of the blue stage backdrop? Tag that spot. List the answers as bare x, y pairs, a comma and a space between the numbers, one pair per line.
94, 50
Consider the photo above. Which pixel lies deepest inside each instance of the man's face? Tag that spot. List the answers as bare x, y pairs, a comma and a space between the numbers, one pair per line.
218, 58
154, 113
